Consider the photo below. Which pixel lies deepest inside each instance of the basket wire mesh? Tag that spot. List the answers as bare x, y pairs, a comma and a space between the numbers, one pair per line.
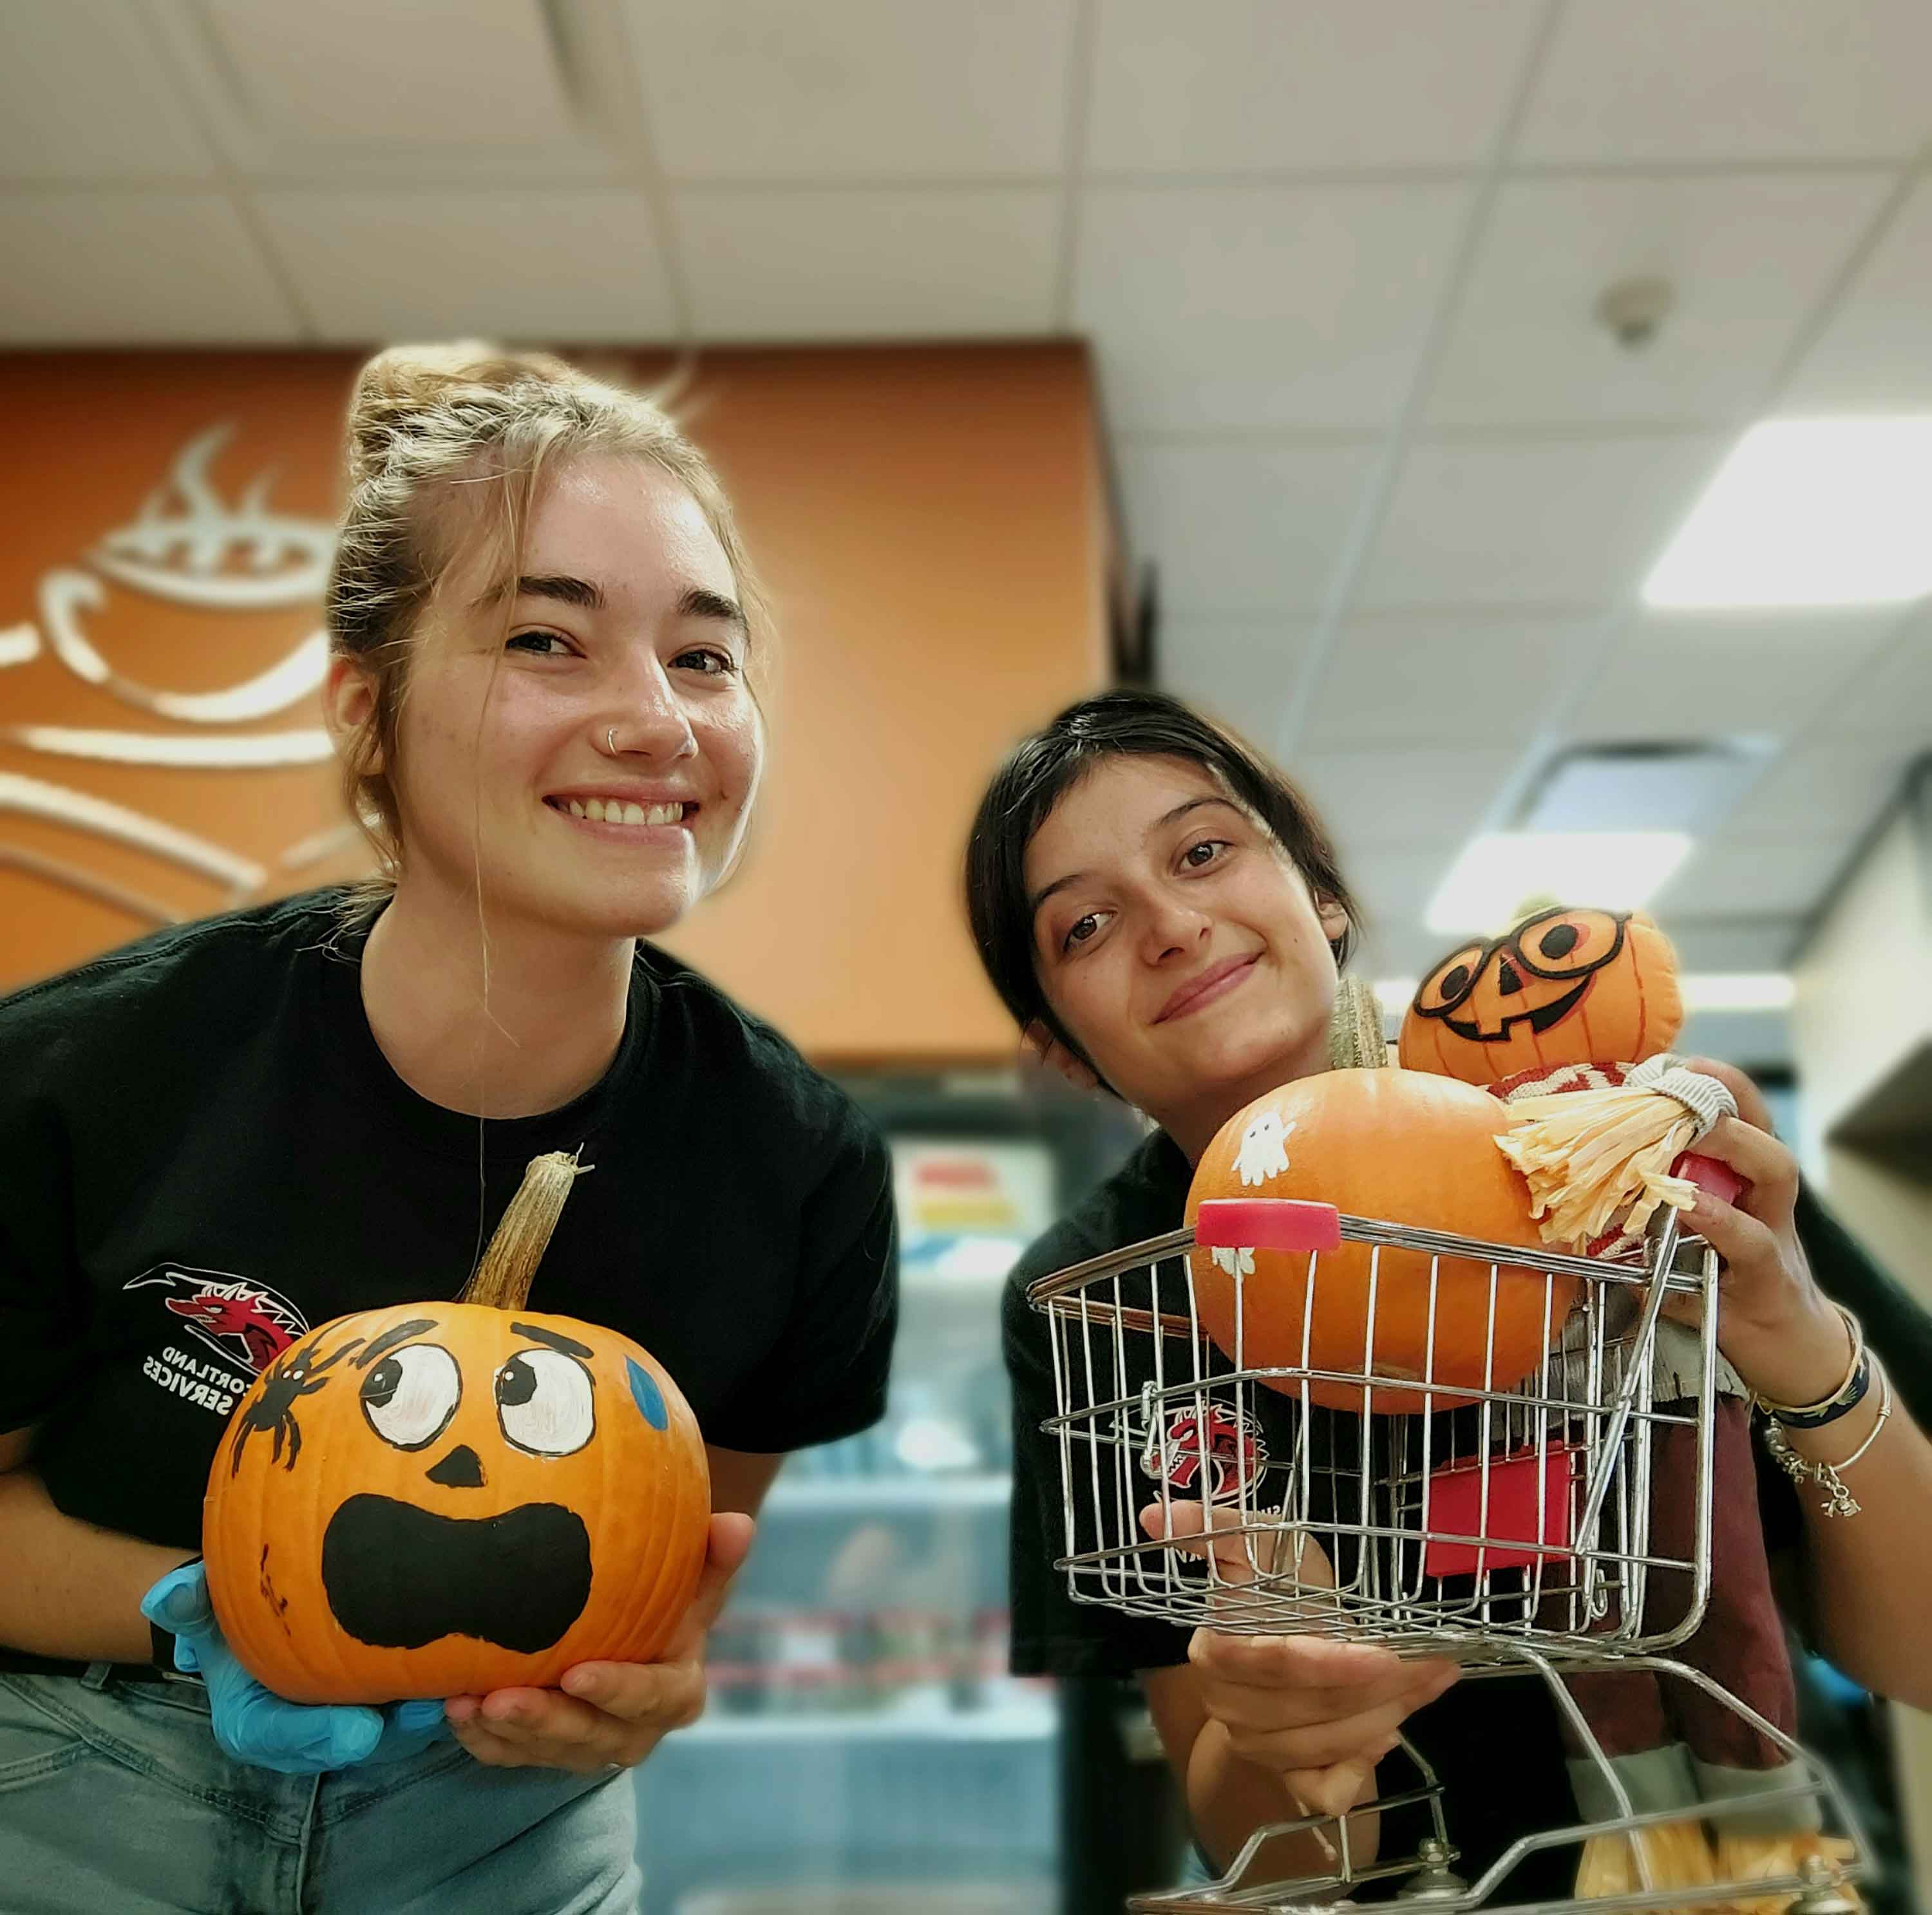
1509, 1525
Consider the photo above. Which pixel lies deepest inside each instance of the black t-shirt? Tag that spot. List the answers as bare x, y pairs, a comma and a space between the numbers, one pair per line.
1493, 1741
206, 1153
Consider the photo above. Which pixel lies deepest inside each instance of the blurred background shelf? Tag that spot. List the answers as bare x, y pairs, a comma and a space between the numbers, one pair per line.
1011, 1722
844, 1495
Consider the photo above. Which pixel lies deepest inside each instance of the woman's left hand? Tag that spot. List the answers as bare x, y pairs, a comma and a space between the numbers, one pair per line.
608, 1715
1776, 1327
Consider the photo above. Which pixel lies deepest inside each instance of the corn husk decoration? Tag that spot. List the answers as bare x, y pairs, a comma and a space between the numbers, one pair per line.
1675, 1855
1765, 1858
1599, 1162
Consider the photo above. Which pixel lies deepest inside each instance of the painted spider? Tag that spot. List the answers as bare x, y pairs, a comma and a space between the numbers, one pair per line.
297, 1374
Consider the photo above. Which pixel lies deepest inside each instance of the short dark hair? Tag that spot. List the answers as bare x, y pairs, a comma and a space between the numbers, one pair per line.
1040, 771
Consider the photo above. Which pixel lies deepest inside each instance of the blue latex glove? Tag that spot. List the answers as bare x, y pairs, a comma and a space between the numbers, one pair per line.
251, 1724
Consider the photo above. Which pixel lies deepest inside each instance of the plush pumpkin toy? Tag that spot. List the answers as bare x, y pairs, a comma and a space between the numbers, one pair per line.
1563, 986
442, 1499
1569, 1015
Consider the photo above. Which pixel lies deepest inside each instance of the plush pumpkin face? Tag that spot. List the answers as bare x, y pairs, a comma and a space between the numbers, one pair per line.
440, 1499
1566, 986
1407, 1149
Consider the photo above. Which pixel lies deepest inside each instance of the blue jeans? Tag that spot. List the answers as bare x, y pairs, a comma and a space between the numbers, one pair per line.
115, 1796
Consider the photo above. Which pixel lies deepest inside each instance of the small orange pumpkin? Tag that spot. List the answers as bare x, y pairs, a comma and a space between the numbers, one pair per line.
442, 1499
1406, 1148
1564, 986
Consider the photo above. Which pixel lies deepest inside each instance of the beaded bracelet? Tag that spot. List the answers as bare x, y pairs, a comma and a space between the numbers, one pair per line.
1842, 1401
1839, 1501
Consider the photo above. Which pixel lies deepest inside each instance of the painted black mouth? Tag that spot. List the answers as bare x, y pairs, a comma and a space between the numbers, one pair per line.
1538, 1020
397, 1577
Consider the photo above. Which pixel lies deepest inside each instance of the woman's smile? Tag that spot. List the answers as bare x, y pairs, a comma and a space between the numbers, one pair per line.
626, 817
1209, 988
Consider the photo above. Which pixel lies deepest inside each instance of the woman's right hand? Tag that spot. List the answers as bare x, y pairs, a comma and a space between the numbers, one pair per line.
1318, 1712
254, 1725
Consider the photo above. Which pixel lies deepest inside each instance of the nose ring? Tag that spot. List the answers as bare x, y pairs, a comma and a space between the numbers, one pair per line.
610, 740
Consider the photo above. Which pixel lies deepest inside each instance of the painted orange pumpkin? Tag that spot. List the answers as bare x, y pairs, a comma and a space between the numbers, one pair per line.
441, 1499
1406, 1148
1565, 986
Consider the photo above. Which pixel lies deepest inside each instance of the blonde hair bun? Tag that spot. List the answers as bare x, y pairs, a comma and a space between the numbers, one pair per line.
402, 383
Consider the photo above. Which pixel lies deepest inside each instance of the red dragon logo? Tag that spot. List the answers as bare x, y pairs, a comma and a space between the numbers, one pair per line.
247, 1323
1221, 1445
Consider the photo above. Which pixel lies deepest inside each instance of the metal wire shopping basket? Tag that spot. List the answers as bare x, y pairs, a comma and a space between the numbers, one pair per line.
1513, 1525
1518, 1514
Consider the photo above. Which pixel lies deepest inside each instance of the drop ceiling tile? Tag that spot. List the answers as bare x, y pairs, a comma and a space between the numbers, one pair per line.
81, 97
436, 73
581, 265
453, 93
1392, 884
1260, 306
135, 268
1733, 80
1568, 523
1891, 700
1243, 673
867, 90
1234, 85
1234, 528
1425, 680
1747, 259
1731, 944
861, 264
1876, 353
1728, 674
1724, 878
1830, 793
1372, 798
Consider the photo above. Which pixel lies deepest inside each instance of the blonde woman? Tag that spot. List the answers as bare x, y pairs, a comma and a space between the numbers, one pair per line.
547, 645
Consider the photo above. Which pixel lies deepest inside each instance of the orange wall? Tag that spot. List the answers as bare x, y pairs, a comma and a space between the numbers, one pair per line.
930, 522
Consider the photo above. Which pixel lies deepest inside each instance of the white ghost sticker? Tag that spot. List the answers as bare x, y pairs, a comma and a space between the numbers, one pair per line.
1264, 1152
1236, 1263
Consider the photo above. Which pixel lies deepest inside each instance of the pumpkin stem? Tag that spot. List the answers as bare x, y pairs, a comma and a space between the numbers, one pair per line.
1355, 1040
502, 1280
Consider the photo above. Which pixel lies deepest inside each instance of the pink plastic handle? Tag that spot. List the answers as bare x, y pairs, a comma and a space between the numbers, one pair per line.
1714, 1179
1266, 1223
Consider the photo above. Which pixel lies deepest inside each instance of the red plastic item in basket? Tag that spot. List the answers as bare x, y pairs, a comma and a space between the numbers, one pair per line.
1527, 1520
1266, 1223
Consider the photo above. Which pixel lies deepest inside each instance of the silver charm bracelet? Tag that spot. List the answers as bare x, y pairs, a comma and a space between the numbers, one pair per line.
1839, 1501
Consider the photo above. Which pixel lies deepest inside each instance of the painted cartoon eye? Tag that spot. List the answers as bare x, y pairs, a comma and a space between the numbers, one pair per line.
410, 1395
543, 1402
1568, 944
1446, 987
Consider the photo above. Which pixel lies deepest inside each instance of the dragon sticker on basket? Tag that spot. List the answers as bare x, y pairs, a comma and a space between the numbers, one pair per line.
1208, 1451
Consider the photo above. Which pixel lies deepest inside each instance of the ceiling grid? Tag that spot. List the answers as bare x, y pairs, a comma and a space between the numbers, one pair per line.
1338, 262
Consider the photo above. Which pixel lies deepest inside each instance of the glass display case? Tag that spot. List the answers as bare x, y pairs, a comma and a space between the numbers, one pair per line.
864, 1747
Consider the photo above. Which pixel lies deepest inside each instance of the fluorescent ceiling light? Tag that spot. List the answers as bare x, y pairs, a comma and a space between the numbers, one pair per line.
1502, 871
1706, 992
1809, 512
1736, 991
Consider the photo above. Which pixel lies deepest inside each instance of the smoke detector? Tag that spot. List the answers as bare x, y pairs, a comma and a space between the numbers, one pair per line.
1632, 310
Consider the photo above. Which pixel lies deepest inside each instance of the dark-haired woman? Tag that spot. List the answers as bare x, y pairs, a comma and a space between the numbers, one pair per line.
1164, 914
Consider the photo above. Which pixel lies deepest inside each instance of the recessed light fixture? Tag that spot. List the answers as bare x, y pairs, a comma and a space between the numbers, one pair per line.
1500, 871
1808, 512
